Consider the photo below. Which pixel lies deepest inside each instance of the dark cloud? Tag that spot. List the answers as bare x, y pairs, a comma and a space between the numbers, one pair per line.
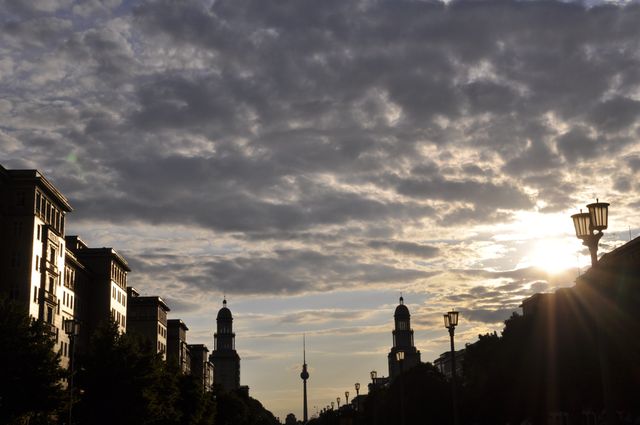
505, 196
315, 316
407, 248
487, 316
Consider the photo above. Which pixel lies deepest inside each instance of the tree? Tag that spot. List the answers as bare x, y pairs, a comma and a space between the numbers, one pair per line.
236, 408
124, 383
30, 373
290, 419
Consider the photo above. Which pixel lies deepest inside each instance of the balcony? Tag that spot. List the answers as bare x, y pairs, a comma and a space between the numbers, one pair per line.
50, 328
48, 297
50, 267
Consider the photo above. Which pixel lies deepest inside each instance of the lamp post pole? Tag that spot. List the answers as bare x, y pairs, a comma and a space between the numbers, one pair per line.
400, 358
597, 220
450, 322
72, 329
357, 386
374, 375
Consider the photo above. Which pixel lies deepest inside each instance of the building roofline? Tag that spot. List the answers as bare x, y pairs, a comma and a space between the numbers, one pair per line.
151, 299
199, 346
41, 180
94, 252
69, 255
180, 322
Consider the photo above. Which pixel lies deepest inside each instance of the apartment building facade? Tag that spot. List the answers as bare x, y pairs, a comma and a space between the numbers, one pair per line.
32, 250
147, 318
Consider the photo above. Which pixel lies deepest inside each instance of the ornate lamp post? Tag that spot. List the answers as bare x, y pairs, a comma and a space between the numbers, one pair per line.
450, 322
596, 220
72, 329
338, 401
374, 375
332, 405
357, 386
346, 396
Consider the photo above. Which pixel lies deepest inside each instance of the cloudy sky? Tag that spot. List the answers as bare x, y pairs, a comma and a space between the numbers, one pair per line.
314, 159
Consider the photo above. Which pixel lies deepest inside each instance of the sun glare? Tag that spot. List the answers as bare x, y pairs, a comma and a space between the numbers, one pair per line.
552, 255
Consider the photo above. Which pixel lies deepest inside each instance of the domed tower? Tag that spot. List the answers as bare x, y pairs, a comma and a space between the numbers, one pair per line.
402, 342
225, 359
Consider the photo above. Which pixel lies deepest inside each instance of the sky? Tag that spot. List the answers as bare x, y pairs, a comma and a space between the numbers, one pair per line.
313, 160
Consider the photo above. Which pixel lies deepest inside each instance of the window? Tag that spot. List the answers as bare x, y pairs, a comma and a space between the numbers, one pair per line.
37, 262
35, 294
38, 197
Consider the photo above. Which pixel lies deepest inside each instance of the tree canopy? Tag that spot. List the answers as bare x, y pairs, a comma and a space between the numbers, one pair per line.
30, 373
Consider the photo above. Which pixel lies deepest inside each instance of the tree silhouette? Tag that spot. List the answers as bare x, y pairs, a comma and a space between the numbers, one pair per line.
124, 383
30, 373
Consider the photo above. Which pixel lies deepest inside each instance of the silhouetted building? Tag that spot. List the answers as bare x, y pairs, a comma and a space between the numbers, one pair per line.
378, 382
106, 290
225, 359
201, 367
147, 317
585, 337
402, 341
177, 347
443, 363
32, 250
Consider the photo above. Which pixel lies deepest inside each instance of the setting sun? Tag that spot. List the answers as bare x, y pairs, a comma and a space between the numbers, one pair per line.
553, 255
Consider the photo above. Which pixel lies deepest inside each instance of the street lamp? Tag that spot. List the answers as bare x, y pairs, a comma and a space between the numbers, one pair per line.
338, 401
374, 375
332, 405
586, 223
357, 386
346, 396
72, 329
450, 322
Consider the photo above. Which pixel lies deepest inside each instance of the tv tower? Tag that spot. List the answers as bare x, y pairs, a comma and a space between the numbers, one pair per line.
304, 375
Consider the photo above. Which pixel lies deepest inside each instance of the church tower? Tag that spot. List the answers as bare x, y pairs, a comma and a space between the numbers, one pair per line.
225, 359
402, 342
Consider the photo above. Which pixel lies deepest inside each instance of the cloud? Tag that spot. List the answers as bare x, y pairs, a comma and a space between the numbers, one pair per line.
321, 316
405, 248
279, 149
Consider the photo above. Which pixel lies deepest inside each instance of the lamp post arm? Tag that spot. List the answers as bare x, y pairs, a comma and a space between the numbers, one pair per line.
591, 242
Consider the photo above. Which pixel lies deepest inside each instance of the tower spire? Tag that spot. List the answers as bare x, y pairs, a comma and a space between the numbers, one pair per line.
304, 375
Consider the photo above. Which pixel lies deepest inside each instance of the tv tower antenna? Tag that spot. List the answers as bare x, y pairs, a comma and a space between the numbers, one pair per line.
304, 375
